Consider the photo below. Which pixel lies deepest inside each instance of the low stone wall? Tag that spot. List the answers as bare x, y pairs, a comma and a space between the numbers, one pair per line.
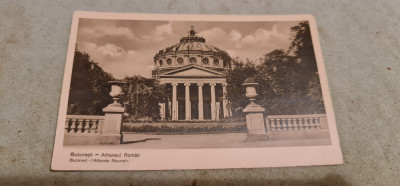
276, 123
89, 130
83, 130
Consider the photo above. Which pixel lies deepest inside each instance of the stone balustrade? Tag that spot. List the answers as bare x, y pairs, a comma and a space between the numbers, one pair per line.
81, 124
296, 122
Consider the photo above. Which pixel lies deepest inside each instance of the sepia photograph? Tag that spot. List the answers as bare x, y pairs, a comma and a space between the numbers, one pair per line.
138, 87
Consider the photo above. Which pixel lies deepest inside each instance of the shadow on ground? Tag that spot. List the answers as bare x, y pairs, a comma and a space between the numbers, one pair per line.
137, 141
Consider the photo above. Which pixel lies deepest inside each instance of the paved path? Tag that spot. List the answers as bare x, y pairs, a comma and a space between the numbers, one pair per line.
226, 140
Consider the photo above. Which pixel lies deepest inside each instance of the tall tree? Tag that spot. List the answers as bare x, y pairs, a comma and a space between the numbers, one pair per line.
235, 77
89, 92
141, 97
303, 50
275, 88
288, 80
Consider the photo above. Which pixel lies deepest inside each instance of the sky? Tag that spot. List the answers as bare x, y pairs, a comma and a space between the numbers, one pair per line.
127, 47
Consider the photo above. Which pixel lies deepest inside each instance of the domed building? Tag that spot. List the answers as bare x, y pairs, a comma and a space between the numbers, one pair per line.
193, 71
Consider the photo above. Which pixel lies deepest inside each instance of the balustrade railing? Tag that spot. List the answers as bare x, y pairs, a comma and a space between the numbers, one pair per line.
296, 122
83, 124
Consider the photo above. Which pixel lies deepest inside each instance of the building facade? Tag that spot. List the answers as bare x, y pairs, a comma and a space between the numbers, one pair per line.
193, 72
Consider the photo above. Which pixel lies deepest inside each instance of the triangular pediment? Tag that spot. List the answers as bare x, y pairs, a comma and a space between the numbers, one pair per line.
192, 71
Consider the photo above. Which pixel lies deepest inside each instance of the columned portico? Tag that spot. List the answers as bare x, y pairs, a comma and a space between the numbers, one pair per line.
200, 104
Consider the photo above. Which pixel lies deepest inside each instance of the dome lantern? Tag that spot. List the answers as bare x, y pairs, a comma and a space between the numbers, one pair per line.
192, 32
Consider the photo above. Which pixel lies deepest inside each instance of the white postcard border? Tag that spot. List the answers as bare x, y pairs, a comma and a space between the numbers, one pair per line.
167, 159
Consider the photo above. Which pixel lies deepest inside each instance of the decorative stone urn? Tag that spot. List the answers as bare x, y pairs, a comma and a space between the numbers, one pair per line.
116, 90
254, 114
111, 133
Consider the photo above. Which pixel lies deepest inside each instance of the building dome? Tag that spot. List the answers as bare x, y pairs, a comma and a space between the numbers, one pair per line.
191, 50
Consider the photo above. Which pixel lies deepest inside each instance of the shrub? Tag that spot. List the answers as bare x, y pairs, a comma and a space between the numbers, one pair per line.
166, 129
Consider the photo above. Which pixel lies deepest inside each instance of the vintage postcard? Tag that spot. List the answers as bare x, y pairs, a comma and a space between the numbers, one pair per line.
160, 92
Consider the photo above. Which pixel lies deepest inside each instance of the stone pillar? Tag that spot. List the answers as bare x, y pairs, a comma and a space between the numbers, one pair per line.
323, 122
213, 111
187, 101
254, 114
255, 123
201, 113
224, 101
111, 132
174, 102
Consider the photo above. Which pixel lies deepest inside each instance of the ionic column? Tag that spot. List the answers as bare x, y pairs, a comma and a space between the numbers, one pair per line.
213, 111
187, 101
201, 114
224, 101
169, 109
174, 102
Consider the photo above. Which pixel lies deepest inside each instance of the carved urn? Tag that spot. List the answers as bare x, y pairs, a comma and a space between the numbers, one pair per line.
116, 90
251, 91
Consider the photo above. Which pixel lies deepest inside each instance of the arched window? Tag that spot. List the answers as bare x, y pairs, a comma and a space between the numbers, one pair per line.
161, 63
